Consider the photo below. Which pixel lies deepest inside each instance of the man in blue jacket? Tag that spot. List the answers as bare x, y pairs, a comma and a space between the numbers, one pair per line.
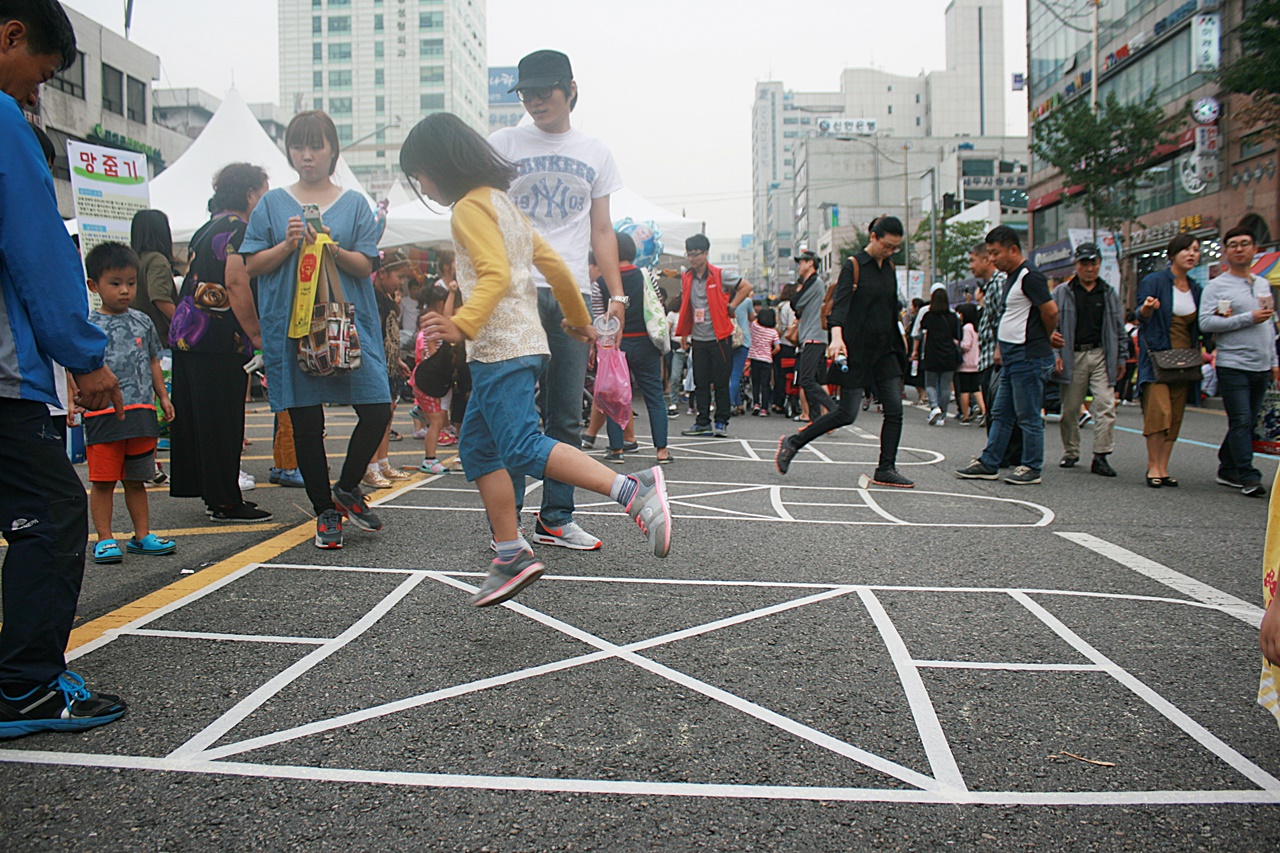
44, 316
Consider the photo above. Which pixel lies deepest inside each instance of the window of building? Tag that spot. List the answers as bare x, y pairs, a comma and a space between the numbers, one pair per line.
317, 79
890, 87
917, 99
431, 47
112, 90
431, 102
70, 81
339, 79
430, 74
137, 105
339, 51
317, 103
430, 20
317, 25
379, 76
315, 4
380, 104
891, 109
378, 50
377, 23
339, 24
340, 106
317, 51
791, 120
344, 132
339, 3
1252, 147
917, 121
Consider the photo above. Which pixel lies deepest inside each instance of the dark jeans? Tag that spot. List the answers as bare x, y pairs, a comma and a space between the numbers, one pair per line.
43, 513
813, 362
646, 377
1242, 392
762, 384
889, 388
712, 361
308, 440
1018, 398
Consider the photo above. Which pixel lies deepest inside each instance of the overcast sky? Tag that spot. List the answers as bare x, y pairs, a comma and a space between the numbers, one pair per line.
667, 83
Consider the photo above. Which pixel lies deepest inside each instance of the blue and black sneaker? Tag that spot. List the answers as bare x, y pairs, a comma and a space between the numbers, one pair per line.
63, 705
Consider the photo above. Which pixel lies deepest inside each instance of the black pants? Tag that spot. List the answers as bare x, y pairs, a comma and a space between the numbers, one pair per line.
207, 433
812, 370
43, 513
761, 384
712, 364
888, 382
308, 440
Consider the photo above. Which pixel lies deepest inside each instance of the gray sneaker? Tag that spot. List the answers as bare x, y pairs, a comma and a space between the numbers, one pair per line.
1023, 476
568, 535
786, 452
975, 470
506, 579
651, 510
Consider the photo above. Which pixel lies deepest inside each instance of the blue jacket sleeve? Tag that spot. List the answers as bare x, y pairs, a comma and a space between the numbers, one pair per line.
38, 261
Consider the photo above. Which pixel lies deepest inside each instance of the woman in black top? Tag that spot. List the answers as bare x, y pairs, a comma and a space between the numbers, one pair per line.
864, 329
214, 333
940, 329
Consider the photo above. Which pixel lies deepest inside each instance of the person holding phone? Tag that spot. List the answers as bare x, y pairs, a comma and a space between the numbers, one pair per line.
282, 221
1245, 334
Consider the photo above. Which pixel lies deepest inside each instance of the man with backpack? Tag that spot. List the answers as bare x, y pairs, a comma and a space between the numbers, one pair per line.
867, 344
807, 301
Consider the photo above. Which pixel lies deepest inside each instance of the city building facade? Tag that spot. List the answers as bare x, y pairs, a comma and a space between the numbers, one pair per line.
105, 98
378, 66
825, 160
1214, 175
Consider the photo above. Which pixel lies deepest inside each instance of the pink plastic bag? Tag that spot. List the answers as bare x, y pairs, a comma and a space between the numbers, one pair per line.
613, 385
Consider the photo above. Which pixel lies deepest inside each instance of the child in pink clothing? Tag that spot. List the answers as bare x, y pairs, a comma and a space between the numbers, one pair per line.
434, 409
764, 345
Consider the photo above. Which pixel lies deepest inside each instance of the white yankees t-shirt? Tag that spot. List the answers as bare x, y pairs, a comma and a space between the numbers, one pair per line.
559, 176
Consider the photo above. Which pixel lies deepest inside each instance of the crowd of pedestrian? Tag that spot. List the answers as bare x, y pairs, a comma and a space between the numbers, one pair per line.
288, 283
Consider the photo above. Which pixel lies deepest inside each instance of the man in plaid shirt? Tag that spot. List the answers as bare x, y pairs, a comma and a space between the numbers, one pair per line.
992, 282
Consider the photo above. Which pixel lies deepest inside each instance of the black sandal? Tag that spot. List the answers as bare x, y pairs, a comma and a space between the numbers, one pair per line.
1155, 482
1170, 482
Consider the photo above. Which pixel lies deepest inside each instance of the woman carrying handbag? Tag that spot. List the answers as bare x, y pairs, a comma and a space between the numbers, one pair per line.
1168, 333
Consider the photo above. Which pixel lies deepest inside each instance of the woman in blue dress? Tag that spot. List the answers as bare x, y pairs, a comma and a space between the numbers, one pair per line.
276, 229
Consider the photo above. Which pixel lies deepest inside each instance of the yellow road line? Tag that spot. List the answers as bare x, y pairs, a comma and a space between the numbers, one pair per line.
261, 553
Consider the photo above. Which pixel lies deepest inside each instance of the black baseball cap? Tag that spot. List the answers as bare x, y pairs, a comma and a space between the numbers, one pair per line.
543, 68
1088, 252
806, 255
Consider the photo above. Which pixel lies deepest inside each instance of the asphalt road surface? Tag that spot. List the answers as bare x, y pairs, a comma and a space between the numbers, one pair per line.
818, 665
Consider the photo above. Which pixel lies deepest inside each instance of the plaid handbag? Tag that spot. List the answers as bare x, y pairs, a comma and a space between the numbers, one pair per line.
331, 344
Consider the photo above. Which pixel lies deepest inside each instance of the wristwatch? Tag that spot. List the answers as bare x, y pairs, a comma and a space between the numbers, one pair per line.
625, 300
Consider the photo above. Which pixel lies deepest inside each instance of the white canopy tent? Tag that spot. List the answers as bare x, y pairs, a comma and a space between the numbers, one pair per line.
233, 135
414, 224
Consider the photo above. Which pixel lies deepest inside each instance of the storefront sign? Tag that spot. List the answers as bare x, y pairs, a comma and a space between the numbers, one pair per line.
1010, 181
1163, 233
1052, 256
1205, 39
118, 140
847, 126
500, 81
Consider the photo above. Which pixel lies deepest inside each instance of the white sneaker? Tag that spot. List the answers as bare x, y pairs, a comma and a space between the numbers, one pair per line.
568, 535
935, 415
247, 483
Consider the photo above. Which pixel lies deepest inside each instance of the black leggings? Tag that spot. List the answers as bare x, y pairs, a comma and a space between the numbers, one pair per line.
308, 440
761, 384
890, 390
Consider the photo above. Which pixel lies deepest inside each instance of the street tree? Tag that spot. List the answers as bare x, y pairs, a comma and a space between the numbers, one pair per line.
1104, 152
954, 241
1255, 71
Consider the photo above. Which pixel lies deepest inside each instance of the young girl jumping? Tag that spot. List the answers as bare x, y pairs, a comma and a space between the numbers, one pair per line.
507, 348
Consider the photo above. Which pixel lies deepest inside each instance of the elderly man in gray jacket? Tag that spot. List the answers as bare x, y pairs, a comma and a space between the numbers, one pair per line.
1088, 345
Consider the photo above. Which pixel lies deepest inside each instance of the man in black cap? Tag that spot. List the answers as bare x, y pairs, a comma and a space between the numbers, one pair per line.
1089, 345
811, 364
563, 185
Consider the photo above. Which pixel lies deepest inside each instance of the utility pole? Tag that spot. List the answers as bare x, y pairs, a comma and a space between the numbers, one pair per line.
1093, 82
906, 218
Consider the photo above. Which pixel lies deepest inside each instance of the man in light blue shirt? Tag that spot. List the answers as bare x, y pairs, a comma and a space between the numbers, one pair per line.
1238, 309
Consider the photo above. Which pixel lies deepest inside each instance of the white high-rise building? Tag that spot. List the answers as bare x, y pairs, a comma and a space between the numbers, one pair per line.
844, 151
378, 66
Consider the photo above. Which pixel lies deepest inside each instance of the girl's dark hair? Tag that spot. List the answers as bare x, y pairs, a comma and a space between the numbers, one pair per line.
454, 157
312, 129
232, 185
150, 233
434, 295
917, 303
673, 304
1177, 244
939, 301
767, 317
46, 145
968, 313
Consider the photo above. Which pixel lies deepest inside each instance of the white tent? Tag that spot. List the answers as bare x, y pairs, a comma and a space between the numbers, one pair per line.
414, 224
233, 135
